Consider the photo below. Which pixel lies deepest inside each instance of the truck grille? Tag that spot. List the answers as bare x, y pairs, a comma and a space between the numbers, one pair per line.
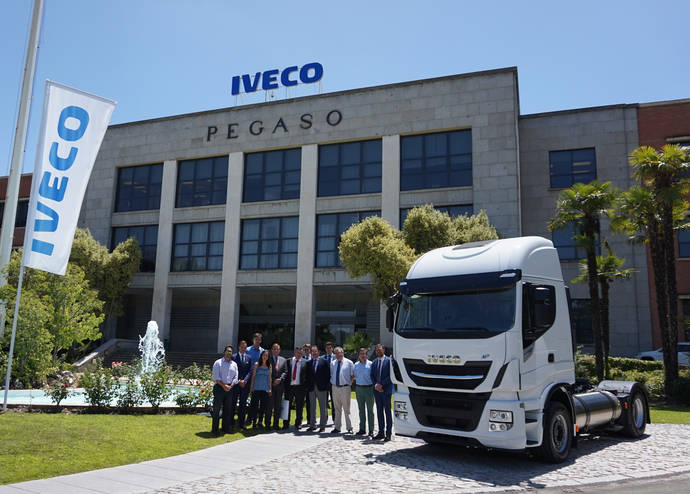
457, 411
467, 376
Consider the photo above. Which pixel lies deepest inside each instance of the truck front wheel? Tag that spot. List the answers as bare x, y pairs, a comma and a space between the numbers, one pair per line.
558, 433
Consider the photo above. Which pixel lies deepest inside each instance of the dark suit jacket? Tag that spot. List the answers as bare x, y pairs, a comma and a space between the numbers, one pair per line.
321, 379
385, 380
244, 369
303, 371
279, 373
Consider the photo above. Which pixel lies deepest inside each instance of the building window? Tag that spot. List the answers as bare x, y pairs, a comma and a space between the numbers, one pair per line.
582, 321
272, 175
329, 228
566, 245
571, 167
147, 237
269, 243
139, 188
198, 246
350, 168
202, 182
431, 161
22, 211
684, 243
455, 210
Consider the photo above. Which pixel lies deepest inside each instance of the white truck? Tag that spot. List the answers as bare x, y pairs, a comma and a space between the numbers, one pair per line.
483, 354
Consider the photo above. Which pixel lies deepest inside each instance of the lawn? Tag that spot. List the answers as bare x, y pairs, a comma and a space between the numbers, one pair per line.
666, 414
41, 445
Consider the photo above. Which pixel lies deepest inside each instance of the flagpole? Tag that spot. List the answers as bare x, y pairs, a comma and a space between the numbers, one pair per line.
15, 174
14, 333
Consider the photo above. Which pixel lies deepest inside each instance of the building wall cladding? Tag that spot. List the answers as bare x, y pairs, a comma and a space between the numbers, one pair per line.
484, 102
612, 131
660, 124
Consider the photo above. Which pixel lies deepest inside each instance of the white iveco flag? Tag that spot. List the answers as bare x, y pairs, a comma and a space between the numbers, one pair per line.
72, 129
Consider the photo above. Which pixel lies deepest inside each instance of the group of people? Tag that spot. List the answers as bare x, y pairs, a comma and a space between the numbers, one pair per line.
265, 379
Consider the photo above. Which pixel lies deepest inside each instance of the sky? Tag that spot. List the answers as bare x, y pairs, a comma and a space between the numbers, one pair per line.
167, 57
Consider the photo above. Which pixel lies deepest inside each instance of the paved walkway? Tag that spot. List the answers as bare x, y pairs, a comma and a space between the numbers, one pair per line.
280, 461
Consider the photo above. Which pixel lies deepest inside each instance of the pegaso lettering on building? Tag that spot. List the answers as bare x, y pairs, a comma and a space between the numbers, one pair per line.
259, 127
289, 76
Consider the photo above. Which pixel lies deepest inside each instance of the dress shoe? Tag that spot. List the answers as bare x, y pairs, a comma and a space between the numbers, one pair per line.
286, 426
360, 433
322, 429
349, 431
380, 435
311, 429
386, 439
335, 431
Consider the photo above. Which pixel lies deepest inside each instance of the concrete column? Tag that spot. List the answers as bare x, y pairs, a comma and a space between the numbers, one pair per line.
390, 180
304, 304
390, 206
229, 317
162, 295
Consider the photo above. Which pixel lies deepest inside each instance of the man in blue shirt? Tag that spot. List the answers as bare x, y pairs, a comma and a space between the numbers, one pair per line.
241, 391
255, 350
364, 391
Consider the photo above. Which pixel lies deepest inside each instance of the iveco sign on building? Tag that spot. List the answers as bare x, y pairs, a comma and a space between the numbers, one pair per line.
239, 211
268, 80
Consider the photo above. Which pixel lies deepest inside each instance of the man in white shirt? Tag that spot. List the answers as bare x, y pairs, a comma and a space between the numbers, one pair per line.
225, 377
296, 381
342, 374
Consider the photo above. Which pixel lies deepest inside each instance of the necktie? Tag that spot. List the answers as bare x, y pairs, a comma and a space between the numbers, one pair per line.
315, 362
294, 370
337, 373
380, 367
275, 361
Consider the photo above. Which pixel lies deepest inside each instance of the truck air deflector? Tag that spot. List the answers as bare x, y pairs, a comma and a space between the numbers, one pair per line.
478, 281
441, 376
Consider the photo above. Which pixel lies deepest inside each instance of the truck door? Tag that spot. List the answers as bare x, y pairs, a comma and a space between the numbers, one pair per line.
538, 316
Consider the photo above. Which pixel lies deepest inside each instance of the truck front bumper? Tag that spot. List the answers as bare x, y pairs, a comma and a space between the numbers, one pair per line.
435, 415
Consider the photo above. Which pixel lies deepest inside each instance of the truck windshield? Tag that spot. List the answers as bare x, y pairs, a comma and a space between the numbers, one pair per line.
465, 314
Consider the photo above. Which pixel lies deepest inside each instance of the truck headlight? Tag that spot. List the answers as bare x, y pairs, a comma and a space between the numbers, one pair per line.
501, 416
500, 420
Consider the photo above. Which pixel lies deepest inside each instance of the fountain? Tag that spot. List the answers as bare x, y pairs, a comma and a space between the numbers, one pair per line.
151, 349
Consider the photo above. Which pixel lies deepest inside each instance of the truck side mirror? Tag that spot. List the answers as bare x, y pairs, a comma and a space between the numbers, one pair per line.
390, 319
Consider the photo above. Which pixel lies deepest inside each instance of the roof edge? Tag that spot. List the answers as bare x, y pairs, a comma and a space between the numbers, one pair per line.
577, 110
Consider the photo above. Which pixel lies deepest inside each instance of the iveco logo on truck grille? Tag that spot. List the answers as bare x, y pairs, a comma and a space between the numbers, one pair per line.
443, 359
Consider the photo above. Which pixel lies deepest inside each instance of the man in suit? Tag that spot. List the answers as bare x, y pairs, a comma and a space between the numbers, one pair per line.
278, 374
296, 384
383, 390
318, 382
330, 356
244, 369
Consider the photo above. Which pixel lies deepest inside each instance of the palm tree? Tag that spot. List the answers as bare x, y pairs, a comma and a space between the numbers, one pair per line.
608, 271
653, 211
582, 206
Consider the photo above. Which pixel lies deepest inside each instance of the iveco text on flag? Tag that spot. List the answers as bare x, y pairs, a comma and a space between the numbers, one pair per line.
72, 129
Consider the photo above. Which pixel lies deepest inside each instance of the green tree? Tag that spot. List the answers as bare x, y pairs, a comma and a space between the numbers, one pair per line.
374, 247
583, 206
426, 228
473, 228
608, 271
55, 312
108, 273
653, 211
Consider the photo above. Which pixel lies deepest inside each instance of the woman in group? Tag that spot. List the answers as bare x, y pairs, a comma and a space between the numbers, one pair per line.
260, 389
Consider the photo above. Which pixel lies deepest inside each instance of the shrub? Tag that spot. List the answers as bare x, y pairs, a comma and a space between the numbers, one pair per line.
129, 395
681, 390
355, 341
200, 395
58, 391
195, 373
100, 387
156, 386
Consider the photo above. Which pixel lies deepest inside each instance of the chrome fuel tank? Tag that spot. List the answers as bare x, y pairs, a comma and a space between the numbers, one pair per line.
595, 408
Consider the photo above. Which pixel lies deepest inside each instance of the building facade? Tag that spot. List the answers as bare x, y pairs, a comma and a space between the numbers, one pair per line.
239, 210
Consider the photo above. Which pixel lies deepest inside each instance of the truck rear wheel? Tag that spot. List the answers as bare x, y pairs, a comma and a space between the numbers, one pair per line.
637, 415
558, 433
